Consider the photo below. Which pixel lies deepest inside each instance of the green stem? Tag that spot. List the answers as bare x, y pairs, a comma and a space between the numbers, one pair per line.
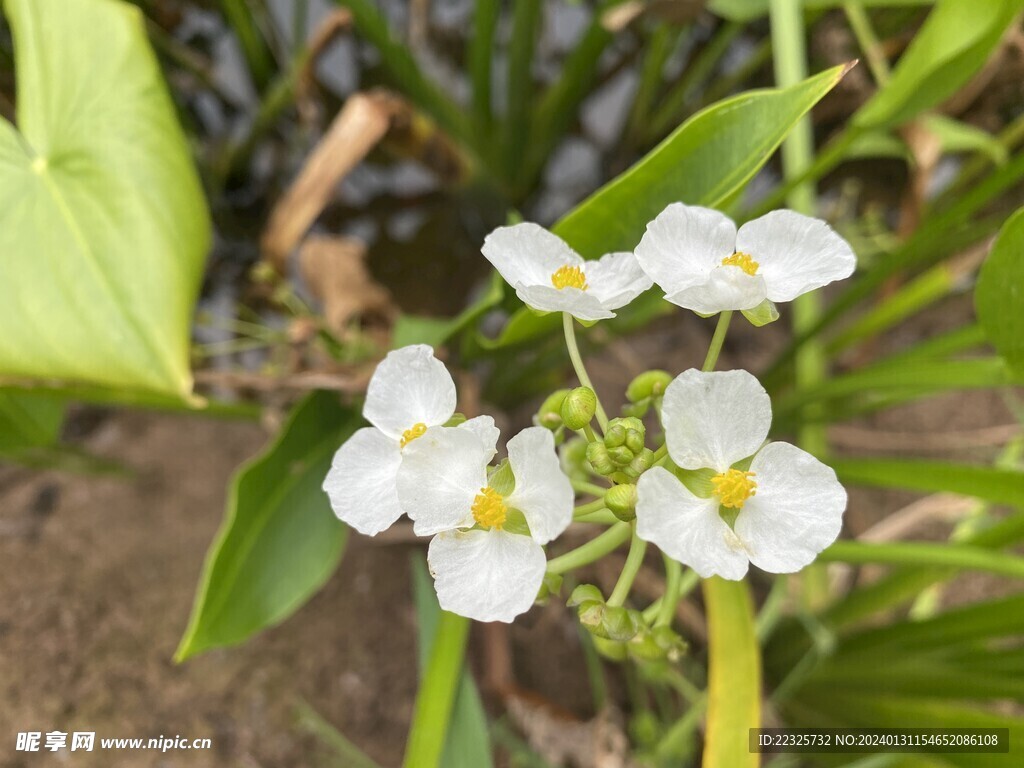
436, 695
673, 580
867, 40
588, 432
603, 516
787, 29
593, 550
586, 509
577, 364
717, 340
635, 558
583, 487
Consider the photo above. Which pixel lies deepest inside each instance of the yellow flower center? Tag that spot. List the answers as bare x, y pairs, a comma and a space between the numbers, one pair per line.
489, 508
733, 487
569, 277
416, 430
743, 261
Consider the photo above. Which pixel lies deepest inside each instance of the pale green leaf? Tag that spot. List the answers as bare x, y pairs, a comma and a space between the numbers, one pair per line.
103, 225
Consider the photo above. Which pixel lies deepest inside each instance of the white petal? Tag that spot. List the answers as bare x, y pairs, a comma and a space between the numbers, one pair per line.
685, 527
727, 287
441, 474
683, 244
361, 481
714, 419
542, 493
486, 575
527, 254
582, 305
796, 512
409, 387
795, 253
616, 279
483, 427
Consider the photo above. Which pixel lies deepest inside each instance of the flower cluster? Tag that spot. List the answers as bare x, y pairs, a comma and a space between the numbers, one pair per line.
488, 528
715, 496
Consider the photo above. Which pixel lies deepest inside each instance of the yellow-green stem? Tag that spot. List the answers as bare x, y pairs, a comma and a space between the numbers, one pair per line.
715, 348
635, 558
593, 550
577, 364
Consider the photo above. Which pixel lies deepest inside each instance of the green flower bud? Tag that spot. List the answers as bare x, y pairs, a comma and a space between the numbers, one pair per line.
585, 593
619, 623
621, 455
599, 459
550, 413
621, 500
643, 461
616, 435
635, 440
578, 407
648, 384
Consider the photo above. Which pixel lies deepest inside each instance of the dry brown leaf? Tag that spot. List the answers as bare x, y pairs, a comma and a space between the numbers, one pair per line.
357, 129
335, 270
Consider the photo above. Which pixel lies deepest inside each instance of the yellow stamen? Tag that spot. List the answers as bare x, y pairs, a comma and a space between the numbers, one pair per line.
489, 508
743, 261
733, 487
416, 430
569, 277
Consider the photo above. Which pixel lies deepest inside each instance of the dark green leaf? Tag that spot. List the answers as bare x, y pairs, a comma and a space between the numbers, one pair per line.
279, 541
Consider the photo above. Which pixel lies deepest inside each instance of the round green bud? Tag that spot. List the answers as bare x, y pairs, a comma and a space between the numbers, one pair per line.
643, 461
599, 459
621, 455
618, 623
578, 407
615, 436
550, 413
648, 384
634, 440
621, 500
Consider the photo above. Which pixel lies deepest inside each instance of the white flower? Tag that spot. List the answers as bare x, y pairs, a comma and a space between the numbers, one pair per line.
788, 506
410, 391
486, 565
550, 276
702, 263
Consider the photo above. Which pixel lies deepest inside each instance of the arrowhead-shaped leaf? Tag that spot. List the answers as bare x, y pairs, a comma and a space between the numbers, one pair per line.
103, 225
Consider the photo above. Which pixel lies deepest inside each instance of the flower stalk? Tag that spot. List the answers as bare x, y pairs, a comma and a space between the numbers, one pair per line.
581, 370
